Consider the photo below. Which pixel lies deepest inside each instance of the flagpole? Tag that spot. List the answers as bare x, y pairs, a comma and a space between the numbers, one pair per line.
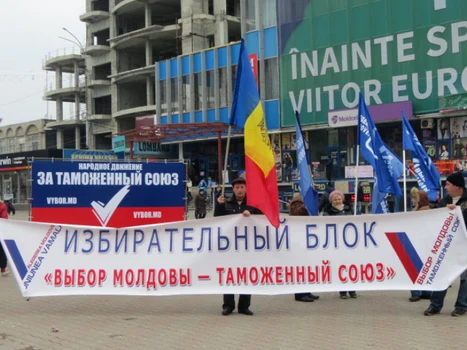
356, 180
226, 159
405, 182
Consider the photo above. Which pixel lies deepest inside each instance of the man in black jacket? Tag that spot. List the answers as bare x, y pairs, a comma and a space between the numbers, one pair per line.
456, 196
236, 205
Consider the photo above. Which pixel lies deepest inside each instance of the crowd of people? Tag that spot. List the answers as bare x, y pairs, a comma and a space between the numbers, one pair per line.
333, 203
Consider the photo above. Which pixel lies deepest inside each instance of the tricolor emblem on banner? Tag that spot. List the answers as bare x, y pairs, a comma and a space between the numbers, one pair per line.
406, 253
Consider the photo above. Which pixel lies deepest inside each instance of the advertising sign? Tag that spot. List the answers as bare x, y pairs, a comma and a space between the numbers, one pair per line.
446, 167
240, 255
152, 148
387, 60
145, 121
118, 144
89, 155
20, 161
107, 194
364, 171
379, 113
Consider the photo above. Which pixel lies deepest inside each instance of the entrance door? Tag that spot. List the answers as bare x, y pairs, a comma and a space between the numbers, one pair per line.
339, 161
213, 168
201, 169
234, 165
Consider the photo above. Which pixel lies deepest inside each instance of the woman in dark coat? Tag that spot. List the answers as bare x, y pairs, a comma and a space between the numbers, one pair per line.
337, 207
200, 205
297, 208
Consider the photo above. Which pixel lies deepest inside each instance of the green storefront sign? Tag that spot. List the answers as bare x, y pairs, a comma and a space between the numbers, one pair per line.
390, 50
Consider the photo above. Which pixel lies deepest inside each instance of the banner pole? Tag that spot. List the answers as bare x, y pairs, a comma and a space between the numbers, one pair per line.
356, 180
227, 147
441, 192
405, 182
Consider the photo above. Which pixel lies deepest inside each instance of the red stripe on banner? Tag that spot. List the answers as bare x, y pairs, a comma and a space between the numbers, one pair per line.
403, 256
16, 168
122, 217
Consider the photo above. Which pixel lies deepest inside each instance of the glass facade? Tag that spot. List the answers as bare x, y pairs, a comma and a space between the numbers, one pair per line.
208, 81
174, 95
271, 69
163, 95
251, 15
297, 70
198, 87
11, 145
223, 87
211, 96
186, 93
269, 13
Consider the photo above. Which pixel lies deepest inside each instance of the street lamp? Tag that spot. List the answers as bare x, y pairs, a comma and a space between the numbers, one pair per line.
81, 47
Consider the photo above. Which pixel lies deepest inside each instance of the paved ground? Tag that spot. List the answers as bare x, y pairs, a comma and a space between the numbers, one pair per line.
376, 320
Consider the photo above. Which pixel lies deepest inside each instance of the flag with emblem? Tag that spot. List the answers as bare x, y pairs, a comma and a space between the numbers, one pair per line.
247, 113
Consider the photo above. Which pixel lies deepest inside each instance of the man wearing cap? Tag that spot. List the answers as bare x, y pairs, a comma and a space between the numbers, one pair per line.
456, 196
236, 205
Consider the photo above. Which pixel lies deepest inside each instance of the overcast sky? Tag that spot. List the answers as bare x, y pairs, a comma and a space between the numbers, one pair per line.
29, 30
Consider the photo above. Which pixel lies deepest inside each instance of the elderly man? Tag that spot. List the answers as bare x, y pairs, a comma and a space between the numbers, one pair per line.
456, 196
236, 205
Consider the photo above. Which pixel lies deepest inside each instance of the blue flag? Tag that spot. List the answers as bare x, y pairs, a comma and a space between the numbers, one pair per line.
309, 194
379, 204
388, 168
426, 172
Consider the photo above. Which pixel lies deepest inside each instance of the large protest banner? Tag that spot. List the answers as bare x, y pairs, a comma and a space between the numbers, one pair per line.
236, 254
110, 194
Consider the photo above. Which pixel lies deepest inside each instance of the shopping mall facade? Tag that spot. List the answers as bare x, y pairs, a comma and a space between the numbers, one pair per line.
316, 57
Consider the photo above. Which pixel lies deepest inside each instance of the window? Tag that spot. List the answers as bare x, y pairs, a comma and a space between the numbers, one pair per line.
272, 79
33, 142
333, 138
21, 142
251, 7
174, 95
11, 145
186, 93
198, 92
210, 89
2, 146
269, 13
163, 95
223, 87
234, 77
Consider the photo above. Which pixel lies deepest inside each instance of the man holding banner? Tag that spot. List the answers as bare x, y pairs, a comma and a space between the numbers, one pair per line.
237, 204
456, 196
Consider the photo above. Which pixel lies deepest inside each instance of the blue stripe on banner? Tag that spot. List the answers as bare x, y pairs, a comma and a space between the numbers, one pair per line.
17, 258
409, 248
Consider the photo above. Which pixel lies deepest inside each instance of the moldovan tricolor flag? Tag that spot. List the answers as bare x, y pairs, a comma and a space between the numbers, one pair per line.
247, 113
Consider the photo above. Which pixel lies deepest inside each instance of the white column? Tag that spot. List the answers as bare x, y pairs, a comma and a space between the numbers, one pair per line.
77, 137
180, 151
59, 139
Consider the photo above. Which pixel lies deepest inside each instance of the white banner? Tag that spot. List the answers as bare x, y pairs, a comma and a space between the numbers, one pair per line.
236, 254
